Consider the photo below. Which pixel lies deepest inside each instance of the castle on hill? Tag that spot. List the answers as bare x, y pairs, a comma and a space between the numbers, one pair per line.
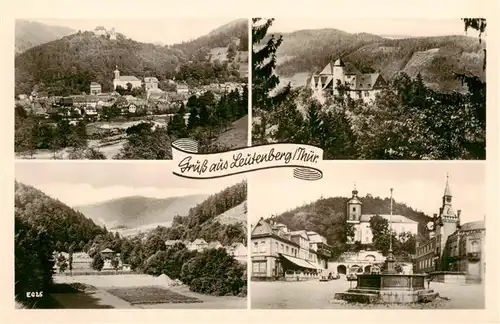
101, 31
360, 86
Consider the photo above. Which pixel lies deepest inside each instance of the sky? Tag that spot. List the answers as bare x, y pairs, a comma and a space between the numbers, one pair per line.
406, 27
82, 183
153, 30
419, 185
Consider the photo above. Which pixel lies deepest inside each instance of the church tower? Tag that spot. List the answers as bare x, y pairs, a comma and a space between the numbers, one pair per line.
447, 221
354, 207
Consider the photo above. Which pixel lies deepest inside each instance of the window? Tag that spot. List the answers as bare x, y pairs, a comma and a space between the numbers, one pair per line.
262, 247
474, 247
259, 267
276, 246
367, 94
287, 249
255, 247
353, 209
282, 247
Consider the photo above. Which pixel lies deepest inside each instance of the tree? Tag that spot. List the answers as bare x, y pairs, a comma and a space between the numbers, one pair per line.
115, 262
193, 120
263, 78
70, 261
147, 145
231, 51
59, 246
62, 263
97, 262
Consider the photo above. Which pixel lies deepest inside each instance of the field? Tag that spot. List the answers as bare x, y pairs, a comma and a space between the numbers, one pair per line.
150, 295
134, 291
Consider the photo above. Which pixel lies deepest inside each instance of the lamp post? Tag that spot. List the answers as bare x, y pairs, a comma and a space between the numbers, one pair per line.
390, 257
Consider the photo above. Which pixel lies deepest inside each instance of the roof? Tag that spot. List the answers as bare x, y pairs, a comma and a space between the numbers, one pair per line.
172, 242
394, 218
447, 190
150, 79
299, 262
477, 225
339, 62
367, 81
355, 200
95, 84
107, 250
128, 78
199, 241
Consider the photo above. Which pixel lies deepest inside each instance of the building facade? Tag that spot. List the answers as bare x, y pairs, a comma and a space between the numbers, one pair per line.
95, 88
277, 252
361, 222
452, 247
124, 80
363, 86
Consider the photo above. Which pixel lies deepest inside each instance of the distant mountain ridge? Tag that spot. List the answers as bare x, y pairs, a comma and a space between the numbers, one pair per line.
29, 34
138, 211
435, 58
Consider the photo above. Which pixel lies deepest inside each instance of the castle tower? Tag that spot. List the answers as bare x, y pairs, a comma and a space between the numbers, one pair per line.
338, 74
354, 207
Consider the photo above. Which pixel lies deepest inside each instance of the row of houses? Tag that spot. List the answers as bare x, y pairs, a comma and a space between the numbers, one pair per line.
237, 250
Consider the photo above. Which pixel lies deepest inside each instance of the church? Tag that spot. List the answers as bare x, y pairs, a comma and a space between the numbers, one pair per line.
361, 222
452, 247
123, 80
361, 86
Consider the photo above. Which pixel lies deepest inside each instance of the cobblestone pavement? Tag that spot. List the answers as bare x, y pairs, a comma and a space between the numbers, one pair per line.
314, 294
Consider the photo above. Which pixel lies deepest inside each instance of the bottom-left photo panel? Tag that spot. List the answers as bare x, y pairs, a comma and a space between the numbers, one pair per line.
128, 235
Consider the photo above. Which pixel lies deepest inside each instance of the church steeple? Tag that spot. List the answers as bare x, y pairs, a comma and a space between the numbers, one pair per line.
446, 210
354, 207
447, 192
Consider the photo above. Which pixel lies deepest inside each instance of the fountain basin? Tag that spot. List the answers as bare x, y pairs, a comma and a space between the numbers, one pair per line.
389, 288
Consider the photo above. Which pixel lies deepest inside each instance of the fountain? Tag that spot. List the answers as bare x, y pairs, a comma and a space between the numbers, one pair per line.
389, 286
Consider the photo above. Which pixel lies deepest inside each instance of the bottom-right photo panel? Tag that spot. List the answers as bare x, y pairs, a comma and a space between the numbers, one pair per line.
368, 236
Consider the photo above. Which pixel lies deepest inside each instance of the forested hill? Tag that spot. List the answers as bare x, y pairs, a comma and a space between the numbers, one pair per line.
203, 220
62, 223
68, 65
327, 216
222, 36
31, 33
435, 58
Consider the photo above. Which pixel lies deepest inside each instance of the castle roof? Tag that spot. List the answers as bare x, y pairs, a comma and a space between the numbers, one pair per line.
367, 81
339, 62
477, 225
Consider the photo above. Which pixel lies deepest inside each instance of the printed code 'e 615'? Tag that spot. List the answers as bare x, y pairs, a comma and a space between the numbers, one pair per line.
34, 294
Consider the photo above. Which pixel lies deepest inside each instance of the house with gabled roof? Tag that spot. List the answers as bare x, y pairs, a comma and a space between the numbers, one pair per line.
198, 245
360, 86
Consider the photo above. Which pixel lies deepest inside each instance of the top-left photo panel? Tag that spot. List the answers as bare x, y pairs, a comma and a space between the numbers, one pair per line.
126, 89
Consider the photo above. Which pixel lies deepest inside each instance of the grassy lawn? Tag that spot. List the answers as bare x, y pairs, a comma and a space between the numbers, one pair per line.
150, 295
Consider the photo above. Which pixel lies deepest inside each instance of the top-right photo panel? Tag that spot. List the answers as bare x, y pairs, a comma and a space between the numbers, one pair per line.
371, 89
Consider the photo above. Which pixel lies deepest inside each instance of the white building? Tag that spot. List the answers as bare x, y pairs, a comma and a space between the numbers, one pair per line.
124, 80
361, 222
364, 86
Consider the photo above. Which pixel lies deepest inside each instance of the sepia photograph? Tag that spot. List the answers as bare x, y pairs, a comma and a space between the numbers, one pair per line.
127, 236
127, 88
371, 89
388, 235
